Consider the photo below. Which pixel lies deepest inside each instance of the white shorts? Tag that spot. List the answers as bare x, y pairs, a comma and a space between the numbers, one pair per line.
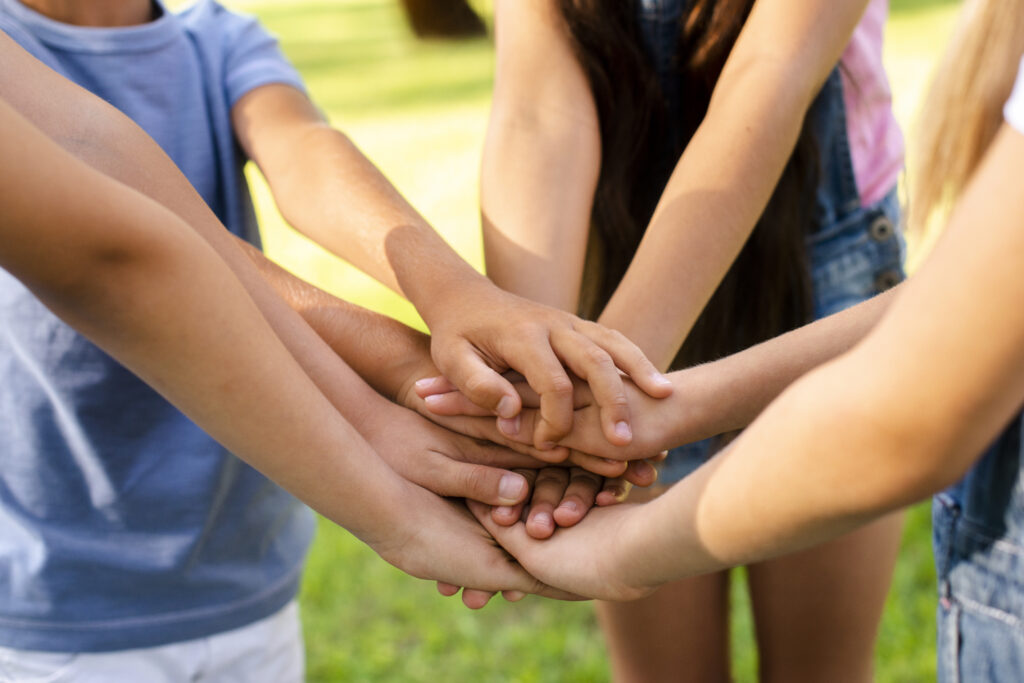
266, 651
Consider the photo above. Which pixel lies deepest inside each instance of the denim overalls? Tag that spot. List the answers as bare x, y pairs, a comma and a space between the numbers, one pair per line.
856, 253
978, 528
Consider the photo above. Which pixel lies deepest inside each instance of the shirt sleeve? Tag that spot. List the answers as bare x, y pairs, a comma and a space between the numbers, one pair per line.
1014, 109
252, 57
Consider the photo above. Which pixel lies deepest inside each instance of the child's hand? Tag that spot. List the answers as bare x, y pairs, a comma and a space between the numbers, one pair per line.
436, 539
484, 331
563, 496
581, 559
657, 423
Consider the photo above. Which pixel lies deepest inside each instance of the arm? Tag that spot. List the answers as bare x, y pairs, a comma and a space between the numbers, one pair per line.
902, 415
337, 197
535, 194
109, 261
106, 140
709, 399
730, 168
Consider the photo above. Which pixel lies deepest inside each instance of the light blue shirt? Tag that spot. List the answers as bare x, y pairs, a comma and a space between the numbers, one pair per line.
122, 524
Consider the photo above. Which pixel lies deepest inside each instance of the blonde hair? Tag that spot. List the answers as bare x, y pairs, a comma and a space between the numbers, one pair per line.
963, 109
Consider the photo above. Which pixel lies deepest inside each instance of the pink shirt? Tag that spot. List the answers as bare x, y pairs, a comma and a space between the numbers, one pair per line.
876, 143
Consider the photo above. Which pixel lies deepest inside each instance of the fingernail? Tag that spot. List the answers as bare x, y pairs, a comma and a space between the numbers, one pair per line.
544, 520
503, 511
507, 407
433, 399
662, 380
424, 383
569, 505
510, 489
644, 469
622, 430
547, 446
612, 461
509, 427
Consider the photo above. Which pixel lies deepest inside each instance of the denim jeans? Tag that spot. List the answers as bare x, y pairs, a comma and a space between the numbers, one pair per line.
978, 534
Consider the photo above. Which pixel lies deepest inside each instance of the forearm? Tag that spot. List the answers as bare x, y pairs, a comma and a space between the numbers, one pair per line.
105, 139
728, 394
712, 201
338, 198
110, 262
384, 352
541, 161
727, 174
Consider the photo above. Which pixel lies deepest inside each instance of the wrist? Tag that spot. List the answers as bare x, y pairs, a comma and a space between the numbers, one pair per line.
701, 404
436, 296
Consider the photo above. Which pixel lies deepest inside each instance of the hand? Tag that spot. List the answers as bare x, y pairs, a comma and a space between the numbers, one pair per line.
444, 462
661, 424
439, 540
485, 331
561, 497
588, 559
422, 379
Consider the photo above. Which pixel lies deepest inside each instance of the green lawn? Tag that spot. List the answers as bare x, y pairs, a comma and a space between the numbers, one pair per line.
419, 110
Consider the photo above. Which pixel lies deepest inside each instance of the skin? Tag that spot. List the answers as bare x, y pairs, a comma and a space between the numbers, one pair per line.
108, 261
421, 452
536, 209
902, 415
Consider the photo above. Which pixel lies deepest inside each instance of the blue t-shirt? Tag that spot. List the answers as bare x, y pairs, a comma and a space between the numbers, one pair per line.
122, 524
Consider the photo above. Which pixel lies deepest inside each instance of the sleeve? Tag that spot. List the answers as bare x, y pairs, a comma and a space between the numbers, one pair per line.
252, 57
1014, 109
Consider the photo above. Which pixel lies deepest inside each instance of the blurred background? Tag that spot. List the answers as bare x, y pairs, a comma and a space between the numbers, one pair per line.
418, 108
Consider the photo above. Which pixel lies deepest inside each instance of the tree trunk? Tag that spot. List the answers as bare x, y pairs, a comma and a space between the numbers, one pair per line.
443, 19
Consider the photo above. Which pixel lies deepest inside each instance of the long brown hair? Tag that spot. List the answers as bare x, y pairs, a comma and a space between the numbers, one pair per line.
963, 109
767, 290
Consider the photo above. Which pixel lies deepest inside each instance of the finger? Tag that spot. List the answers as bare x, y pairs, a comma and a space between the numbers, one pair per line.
491, 485
547, 493
513, 596
593, 364
476, 599
628, 356
447, 589
640, 473
614, 492
545, 374
605, 467
453, 403
578, 497
507, 515
473, 377
486, 429
429, 386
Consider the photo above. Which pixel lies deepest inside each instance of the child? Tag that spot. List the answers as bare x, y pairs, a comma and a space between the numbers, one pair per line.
124, 490
929, 397
717, 149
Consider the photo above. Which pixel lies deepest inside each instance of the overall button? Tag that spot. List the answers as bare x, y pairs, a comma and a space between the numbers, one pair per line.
887, 279
881, 229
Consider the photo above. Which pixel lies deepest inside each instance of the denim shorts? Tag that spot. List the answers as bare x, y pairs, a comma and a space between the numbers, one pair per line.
978, 535
855, 253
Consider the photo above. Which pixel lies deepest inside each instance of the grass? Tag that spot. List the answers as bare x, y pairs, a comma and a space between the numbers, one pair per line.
419, 110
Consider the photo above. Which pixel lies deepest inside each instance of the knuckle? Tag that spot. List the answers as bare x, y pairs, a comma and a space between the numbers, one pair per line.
552, 476
595, 355
559, 384
475, 478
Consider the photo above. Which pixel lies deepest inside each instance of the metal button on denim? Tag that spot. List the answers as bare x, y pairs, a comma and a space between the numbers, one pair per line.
887, 279
881, 229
